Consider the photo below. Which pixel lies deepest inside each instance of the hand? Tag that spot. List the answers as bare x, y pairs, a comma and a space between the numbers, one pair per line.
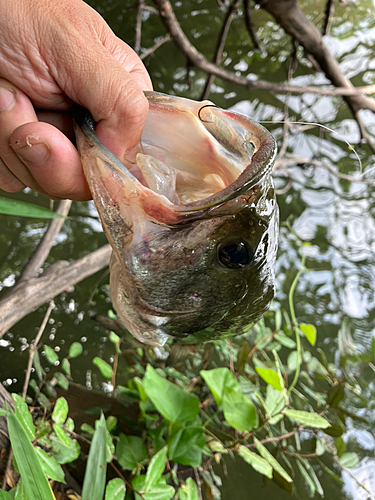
53, 53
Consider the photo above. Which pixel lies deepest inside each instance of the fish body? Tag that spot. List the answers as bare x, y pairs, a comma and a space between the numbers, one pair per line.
192, 219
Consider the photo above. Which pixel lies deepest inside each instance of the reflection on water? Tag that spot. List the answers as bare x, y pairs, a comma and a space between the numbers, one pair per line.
337, 217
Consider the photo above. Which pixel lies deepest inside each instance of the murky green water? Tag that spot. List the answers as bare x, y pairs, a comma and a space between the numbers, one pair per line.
335, 216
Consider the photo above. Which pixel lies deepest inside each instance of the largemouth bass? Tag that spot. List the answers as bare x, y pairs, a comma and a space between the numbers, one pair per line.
191, 217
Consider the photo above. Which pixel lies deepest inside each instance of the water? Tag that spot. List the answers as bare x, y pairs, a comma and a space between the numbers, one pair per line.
336, 216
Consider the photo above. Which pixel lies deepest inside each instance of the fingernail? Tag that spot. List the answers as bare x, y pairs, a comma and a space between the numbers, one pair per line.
35, 154
7, 99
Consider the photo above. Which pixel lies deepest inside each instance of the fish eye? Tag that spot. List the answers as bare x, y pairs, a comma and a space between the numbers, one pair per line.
234, 254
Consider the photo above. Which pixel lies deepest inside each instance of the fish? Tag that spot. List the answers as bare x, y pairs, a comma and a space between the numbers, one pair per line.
192, 219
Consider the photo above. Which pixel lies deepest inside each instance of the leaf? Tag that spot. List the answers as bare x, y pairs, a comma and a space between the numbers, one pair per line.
60, 411
96, 468
63, 453
340, 446
4, 495
173, 402
270, 377
155, 468
242, 355
310, 471
309, 331
310, 419
20, 493
75, 350
104, 368
239, 412
257, 463
307, 478
24, 209
35, 482
219, 379
335, 395
24, 416
49, 465
285, 340
186, 445
274, 463
349, 460
51, 356
130, 451
61, 380
65, 366
159, 491
115, 490
188, 491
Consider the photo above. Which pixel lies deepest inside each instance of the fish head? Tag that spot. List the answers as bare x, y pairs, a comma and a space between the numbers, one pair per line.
192, 219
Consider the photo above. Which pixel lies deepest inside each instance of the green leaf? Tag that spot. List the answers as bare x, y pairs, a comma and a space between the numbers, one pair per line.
130, 451
349, 460
310, 419
257, 463
104, 367
188, 491
24, 416
20, 493
173, 402
75, 350
60, 411
239, 412
111, 423
309, 331
116, 489
63, 453
61, 380
24, 209
270, 377
49, 465
51, 356
35, 482
335, 395
65, 366
96, 468
307, 478
219, 379
186, 445
285, 340
155, 468
4, 495
272, 460
159, 491
340, 446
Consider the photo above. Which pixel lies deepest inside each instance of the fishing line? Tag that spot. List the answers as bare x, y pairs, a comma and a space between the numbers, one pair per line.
361, 172
205, 106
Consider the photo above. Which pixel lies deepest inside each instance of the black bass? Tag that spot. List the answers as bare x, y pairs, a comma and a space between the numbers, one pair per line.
192, 220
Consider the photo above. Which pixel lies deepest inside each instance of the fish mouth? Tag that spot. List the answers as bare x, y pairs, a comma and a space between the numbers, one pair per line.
228, 153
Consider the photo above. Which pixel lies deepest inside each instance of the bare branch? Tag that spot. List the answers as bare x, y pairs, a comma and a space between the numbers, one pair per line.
250, 25
330, 9
197, 59
58, 278
158, 44
138, 27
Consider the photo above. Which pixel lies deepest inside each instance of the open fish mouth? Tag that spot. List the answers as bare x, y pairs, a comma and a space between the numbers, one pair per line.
191, 203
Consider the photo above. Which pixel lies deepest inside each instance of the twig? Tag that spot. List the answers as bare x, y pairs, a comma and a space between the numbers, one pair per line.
220, 45
58, 278
138, 27
151, 50
329, 11
363, 131
197, 58
250, 25
35, 347
41, 253
337, 462
7, 470
199, 484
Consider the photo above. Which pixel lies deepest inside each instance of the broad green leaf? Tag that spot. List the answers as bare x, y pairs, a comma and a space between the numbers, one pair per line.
258, 463
160, 491
285, 340
130, 451
4, 495
340, 446
270, 377
186, 445
188, 491
335, 430
111, 423
310, 419
173, 402
104, 367
24, 416
272, 460
61, 380
63, 453
49, 465
51, 355
349, 460
20, 493
61, 434
65, 366
35, 482
275, 401
96, 468
239, 412
60, 411
309, 331
24, 209
155, 468
219, 379
75, 350
116, 489
335, 395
